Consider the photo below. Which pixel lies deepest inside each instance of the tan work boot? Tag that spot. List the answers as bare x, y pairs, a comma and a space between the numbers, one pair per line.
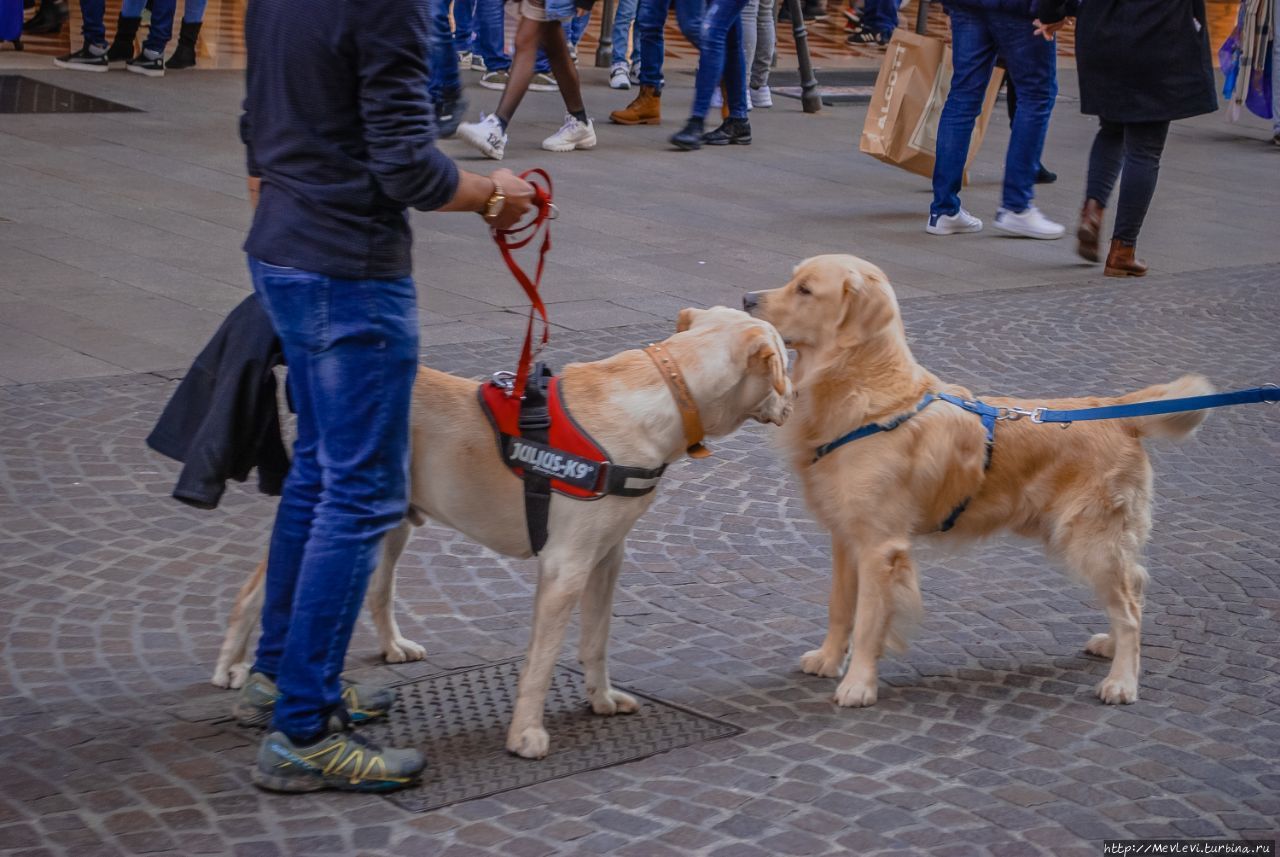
1121, 261
646, 109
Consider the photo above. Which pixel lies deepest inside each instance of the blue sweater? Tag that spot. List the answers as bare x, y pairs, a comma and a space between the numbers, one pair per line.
338, 124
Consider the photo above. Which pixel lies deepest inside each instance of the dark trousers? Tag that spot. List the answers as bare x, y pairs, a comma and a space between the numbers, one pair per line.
1130, 151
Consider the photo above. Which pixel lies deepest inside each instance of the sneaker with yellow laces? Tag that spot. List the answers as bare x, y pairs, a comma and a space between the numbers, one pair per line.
256, 703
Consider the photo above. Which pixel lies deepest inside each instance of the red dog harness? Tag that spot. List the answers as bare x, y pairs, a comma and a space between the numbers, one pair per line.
542, 444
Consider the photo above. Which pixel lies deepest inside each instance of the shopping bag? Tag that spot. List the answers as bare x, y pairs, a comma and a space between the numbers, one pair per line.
902, 120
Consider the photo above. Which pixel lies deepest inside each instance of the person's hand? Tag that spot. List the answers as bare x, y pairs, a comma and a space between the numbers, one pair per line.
1048, 31
255, 186
521, 199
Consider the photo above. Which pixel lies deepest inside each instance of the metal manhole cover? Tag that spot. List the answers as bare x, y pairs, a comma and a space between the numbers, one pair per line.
459, 719
20, 94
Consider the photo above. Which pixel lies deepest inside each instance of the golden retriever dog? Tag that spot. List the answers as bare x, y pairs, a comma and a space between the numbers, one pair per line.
735, 368
1084, 491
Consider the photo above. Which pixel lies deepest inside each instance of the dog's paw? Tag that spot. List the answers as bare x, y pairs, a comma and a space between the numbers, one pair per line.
530, 743
1118, 691
820, 662
221, 678
402, 651
855, 694
612, 702
1101, 645
238, 675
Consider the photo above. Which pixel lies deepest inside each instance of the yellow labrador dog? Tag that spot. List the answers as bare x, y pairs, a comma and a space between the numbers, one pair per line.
1084, 492
735, 368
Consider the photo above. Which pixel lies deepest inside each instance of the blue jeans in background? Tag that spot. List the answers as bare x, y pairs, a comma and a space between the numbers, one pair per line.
490, 41
162, 15
880, 16
92, 13
352, 350
651, 18
977, 38
720, 55
443, 80
623, 18
464, 14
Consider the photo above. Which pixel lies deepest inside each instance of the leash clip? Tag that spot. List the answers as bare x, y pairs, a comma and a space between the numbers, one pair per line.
505, 380
1272, 386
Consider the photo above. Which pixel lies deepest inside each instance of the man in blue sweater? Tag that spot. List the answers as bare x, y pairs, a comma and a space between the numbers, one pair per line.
981, 31
340, 138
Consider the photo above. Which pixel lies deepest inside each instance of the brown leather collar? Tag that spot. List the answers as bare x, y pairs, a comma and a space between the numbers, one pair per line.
670, 371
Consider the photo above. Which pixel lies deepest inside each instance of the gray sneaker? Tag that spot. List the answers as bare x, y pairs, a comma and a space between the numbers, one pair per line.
342, 759
495, 79
543, 82
256, 703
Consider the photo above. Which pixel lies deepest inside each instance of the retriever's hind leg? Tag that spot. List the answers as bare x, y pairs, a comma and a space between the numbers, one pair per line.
829, 658
381, 600
233, 667
597, 609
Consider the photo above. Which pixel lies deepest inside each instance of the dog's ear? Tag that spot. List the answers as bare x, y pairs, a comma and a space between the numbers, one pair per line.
685, 319
765, 355
868, 309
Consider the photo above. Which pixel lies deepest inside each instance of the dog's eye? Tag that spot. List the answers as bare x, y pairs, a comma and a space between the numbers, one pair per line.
803, 289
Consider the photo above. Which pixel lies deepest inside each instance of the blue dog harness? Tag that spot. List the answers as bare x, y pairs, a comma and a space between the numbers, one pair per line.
990, 415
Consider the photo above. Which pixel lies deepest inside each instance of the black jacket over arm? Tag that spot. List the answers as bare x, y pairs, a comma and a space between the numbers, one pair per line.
1140, 60
223, 420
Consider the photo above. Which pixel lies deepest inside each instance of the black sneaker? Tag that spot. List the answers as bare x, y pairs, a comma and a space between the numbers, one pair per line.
342, 759
152, 65
256, 703
88, 58
866, 37
734, 132
450, 111
1045, 176
689, 138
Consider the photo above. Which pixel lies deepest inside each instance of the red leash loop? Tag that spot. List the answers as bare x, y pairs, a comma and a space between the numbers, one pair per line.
517, 238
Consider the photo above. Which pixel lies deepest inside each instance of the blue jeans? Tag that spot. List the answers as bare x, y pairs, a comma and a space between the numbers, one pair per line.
977, 38
162, 15
880, 16
623, 18
490, 40
443, 79
92, 13
464, 13
720, 54
352, 350
651, 18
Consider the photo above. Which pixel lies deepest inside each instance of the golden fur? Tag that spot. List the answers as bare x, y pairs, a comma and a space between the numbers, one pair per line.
1083, 492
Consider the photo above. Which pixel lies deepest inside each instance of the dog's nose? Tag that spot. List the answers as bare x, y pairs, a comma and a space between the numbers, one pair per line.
750, 301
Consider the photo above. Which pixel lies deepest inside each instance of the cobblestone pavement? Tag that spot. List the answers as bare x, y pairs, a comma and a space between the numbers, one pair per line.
986, 740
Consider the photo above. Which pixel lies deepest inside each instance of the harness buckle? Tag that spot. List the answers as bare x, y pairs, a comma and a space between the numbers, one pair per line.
505, 380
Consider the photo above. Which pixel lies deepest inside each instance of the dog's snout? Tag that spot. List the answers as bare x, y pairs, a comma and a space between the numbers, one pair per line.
750, 301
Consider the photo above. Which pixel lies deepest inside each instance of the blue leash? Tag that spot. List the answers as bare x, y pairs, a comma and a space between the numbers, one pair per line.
1268, 393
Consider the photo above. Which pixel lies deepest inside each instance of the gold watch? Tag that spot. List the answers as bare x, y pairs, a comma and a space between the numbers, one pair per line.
497, 199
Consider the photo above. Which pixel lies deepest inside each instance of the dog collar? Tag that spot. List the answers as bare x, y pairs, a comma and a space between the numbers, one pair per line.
692, 421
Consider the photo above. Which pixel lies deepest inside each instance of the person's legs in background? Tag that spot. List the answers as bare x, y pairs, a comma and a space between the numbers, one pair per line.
150, 60
1275, 74
761, 59
444, 81
879, 20
122, 43
490, 44
1105, 160
464, 13
973, 57
750, 33
93, 56
1032, 63
1143, 147
622, 74
651, 18
184, 55
719, 55
1043, 175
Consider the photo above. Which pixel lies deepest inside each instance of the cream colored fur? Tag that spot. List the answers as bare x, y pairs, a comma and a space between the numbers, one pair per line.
735, 367
1083, 492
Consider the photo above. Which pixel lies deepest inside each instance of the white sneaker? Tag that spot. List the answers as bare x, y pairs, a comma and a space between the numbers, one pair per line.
761, 97
486, 135
464, 59
953, 224
633, 74
618, 77
1028, 224
572, 135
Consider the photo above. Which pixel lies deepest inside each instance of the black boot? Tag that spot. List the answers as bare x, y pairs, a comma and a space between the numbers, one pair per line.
734, 132
121, 49
184, 56
48, 19
689, 137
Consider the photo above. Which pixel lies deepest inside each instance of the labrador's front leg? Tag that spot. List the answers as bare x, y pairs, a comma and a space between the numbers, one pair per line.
597, 609
560, 585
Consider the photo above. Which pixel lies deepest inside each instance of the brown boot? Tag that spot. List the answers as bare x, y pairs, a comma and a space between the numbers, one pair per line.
646, 109
1121, 261
1087, 236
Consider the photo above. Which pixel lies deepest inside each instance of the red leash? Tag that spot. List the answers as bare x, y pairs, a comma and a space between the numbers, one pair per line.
517, 238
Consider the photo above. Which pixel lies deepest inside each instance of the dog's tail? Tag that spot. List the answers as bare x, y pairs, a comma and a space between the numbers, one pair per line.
1175, 426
